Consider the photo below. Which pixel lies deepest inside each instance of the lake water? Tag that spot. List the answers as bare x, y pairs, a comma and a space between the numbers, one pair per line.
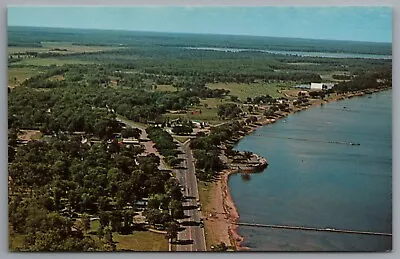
297, 53
319, 184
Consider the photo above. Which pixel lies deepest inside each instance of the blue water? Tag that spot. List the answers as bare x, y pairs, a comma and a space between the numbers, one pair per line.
297, 53
318, 184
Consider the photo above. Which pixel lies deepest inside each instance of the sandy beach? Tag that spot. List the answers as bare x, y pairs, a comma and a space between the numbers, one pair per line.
221, 213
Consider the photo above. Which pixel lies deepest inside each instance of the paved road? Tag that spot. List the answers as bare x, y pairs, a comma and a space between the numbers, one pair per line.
192, 238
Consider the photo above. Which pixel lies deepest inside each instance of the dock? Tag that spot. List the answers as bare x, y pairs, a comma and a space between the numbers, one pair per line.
314, 229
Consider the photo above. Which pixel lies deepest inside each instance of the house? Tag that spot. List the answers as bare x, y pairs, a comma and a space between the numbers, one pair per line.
321, 86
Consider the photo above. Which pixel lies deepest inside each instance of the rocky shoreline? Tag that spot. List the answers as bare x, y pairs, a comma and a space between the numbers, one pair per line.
228, 204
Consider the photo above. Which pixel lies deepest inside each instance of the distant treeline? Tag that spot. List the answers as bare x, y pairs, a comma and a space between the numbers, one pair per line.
18, 36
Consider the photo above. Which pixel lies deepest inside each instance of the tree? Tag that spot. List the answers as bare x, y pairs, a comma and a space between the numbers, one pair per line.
172, 229
221, 247
131, 132
109, 244
85, 222
176, 209
104, 219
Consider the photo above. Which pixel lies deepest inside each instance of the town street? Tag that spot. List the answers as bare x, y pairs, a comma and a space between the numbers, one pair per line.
192, 238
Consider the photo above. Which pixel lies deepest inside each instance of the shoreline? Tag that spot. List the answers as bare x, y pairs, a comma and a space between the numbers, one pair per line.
226, 200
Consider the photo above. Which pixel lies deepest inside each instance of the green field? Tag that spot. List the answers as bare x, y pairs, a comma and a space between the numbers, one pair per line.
251, 90
141, 241
17, 75
207, 114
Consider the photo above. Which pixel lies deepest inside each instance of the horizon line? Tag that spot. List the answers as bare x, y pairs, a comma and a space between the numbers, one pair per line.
203, 33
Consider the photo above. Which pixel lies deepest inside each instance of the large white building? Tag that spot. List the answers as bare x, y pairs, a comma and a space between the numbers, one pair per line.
321, 86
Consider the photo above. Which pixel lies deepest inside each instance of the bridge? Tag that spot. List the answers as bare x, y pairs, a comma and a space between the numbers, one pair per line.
314, 229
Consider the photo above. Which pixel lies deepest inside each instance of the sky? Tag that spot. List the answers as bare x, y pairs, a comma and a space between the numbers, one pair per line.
337, 23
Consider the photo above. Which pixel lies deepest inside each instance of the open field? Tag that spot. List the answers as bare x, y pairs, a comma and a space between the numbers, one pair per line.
17, 75
251, 90
165, 88
141, 241
67, 48
137, 241
50, 61
327, 76
207, 114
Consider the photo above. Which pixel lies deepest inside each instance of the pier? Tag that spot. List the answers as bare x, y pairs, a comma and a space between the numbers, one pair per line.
310, 140
314, 229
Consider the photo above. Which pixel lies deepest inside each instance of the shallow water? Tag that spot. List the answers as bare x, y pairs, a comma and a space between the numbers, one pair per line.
311, 182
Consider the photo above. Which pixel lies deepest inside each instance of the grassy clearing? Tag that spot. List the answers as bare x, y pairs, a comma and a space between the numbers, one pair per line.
141, 241
327, 76
207, 114
16, 75
94, 225
30, 135
137, 241
50, 61
205, 194
205, 189
212, 102
165, 88
181, 139
56, 78
132, 123
15, 241
251, 90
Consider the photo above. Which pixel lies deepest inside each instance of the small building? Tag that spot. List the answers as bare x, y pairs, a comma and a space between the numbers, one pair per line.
321, 86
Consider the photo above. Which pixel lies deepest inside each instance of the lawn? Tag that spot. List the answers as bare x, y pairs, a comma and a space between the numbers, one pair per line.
251, 90
137, 241
17, 75
205, 194
141, 241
